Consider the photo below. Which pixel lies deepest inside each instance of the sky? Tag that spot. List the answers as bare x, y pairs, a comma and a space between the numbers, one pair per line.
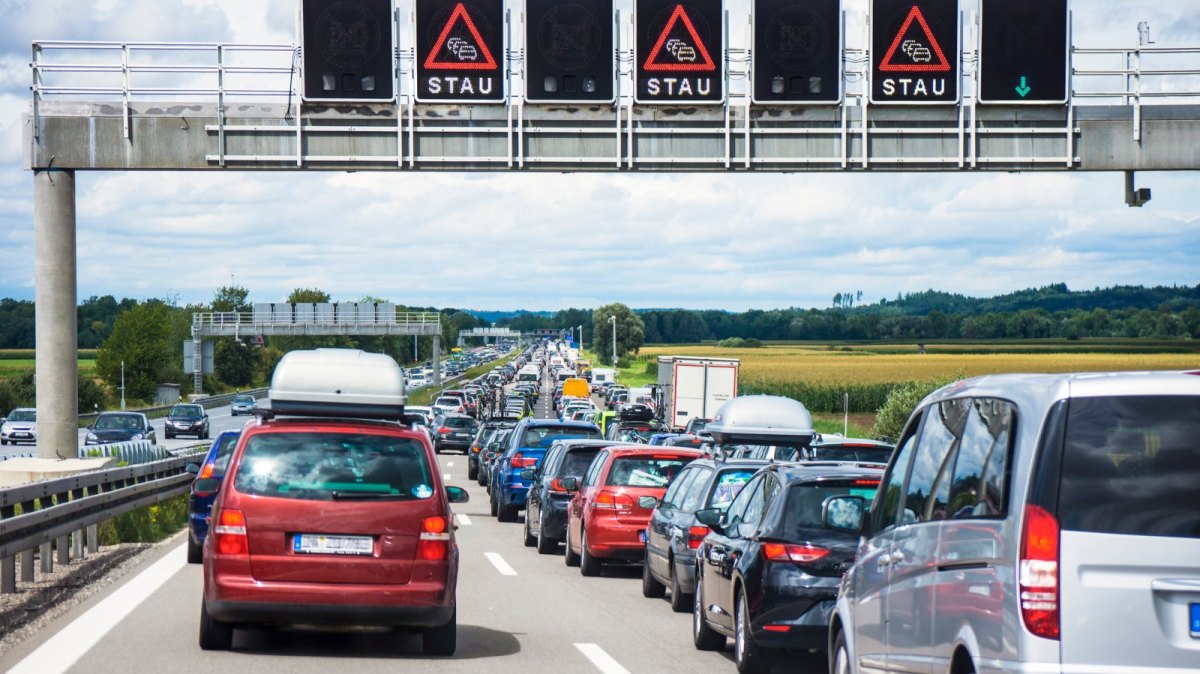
547, 241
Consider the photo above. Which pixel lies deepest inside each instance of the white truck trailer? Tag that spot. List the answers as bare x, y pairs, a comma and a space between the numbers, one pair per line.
695, 387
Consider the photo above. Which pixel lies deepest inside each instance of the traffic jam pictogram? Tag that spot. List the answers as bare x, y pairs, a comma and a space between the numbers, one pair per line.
458, 44
680, 52
914, 51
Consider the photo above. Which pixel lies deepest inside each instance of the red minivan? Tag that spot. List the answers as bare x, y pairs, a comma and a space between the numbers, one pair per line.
324, 519
605, 520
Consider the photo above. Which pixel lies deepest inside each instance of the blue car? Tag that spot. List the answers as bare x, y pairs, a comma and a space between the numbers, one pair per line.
199, 503
526, 446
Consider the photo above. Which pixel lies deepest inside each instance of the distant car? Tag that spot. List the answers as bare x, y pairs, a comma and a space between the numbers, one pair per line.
110, 427
453, 431
186, 419
838, 448
199, 501
19, 426
448, 405
243, 403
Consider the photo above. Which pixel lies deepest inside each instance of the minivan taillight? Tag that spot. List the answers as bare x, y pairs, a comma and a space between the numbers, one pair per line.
434, 539
1039, 572
231, 532
784, 552
519, 460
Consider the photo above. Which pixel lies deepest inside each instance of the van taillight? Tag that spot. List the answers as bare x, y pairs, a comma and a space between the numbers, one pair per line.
1039, 572
434, 539
696, 536
783, 552
231, 532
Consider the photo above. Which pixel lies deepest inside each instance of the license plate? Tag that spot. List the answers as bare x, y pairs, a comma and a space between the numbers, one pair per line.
20, 435
1194, 622
319, 544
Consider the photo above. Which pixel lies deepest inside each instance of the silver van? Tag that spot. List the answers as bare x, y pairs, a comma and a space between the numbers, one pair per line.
1031, 523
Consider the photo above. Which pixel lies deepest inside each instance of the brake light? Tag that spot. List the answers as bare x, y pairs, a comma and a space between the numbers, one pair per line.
231, 532
866, 483
696, 536
777, 628
444, 430
434, 540
519, 460
1039, 572
610, 500
556, 487
205, 472
784, 552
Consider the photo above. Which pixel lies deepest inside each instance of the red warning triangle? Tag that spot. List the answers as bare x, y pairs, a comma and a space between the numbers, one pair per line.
680, 55
457, 53
922, 58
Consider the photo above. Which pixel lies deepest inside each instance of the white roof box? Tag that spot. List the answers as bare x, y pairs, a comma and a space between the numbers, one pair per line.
338, 382
771, 420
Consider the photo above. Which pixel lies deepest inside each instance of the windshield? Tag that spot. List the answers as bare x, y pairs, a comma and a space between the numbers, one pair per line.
645, 471
844, 453
109, 422
543, 436
186, 412
23, 415
244, 399
447, 402
321, 466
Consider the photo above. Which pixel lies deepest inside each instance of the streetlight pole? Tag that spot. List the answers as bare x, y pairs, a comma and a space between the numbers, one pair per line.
613, 320
581, 338
122, 385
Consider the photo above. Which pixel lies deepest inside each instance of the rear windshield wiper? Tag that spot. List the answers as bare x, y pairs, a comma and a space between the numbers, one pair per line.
363, 496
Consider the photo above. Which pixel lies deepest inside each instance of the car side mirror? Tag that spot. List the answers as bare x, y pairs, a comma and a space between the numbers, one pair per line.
844, 513
457, 495
711, 518
206, 487
647, 503
570, 483
192, 468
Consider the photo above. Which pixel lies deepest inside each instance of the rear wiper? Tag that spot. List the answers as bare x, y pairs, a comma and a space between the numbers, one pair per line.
363, 496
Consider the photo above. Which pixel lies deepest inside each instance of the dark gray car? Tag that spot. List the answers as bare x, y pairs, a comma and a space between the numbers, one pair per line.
112, 427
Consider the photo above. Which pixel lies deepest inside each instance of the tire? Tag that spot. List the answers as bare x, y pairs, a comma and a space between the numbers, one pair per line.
571, 557
169, 436
495, 507
681, 602
481, 478
748, 657
704, 638
651, 588
472, 471
839, 659
589, 565
504, 513
529, 539
545, 544
442, 640
214, 635
195, 554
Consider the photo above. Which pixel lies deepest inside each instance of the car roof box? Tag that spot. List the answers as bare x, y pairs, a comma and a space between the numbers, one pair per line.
338, 382
761, 419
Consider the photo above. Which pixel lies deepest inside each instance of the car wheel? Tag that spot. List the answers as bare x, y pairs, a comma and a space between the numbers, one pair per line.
545, 544
442, 640
571, 557
505, 513
472, 472
214, 635
589, 564
530, 540
169, 437
195, 553
704, 637
495, 508
481, 478
839, 662
746, 655
651, 588
680, 601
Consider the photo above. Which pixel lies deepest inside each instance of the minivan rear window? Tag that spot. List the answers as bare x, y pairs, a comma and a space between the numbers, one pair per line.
334, 466
1131, 465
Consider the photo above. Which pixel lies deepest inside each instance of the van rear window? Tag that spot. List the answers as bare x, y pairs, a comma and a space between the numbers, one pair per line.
1131, 465
334, 466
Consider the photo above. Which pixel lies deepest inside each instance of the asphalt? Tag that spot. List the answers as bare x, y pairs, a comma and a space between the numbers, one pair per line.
518, 611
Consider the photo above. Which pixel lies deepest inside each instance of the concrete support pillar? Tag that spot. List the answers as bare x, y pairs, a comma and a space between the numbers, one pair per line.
437, 360
55, 310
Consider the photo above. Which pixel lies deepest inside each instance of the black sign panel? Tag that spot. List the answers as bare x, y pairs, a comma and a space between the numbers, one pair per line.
914, 52
1023, 52
680, 55
797, 51
460, 51
347, 48
569, 51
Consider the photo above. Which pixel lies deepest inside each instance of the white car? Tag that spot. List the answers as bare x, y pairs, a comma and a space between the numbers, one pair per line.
20, 426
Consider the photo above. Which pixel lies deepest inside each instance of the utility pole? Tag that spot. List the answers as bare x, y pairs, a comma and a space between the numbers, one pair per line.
122, 385
613, 320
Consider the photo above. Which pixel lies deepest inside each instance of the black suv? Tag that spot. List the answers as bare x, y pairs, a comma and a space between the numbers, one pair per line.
768, 574
453, 431
674, 533
186, 419
546, 504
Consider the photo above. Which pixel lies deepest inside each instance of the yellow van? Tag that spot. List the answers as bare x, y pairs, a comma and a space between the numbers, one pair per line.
576, 388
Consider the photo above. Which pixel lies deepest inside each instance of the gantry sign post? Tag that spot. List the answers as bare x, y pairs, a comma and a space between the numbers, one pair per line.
440, 96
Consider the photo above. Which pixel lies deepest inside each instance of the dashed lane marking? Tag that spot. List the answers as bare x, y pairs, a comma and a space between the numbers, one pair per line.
449, 464
602, 661
462, 520
446, 476
501, 565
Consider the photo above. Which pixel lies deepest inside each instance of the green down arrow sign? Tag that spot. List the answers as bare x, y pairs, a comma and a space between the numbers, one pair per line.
1023, 89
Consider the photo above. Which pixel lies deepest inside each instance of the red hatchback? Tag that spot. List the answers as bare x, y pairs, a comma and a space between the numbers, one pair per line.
332, 522
606, 521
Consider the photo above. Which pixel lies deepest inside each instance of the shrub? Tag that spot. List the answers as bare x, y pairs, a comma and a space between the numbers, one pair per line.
740, 343
900, 403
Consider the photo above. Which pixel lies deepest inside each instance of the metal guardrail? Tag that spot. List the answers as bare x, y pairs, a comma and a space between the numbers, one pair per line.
161, 411
54, 518
132, 453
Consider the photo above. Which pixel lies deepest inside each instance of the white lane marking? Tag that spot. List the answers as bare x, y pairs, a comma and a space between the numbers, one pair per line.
501, 565
449, 464
462, 519
64, 649
603, 661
